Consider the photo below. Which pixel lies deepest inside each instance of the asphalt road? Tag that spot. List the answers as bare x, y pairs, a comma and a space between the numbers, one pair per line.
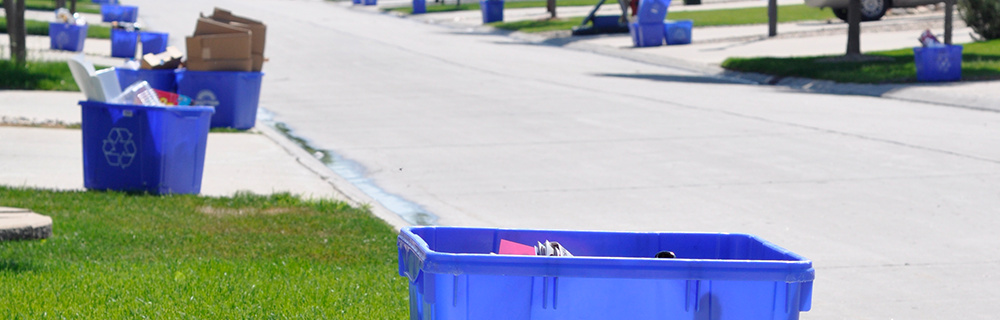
895, 202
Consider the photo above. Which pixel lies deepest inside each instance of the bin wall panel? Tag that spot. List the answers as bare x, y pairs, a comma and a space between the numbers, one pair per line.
123, 43
492, 10
678, 32
938, 63
165, 80
646, 34
419, 6
652, 11
68, 37
135, 148
452, 275
153, 42
234, 95
113, 12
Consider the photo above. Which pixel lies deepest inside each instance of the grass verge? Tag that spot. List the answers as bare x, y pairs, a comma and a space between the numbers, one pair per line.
41, 28
35, 75
706, 18
980, 61
83, 6
124, 256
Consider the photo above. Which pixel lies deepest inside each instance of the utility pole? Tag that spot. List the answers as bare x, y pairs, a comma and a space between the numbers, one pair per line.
854, 27
772, 18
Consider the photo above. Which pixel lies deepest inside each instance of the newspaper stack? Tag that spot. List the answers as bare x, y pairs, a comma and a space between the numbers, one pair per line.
552, 249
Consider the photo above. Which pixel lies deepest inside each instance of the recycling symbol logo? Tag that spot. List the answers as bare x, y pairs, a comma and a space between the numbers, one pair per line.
206, 98
62, 39
119, 148
679, 34
943, 62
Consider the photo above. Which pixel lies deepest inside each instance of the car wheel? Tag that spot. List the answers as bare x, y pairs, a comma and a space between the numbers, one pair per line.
871, 10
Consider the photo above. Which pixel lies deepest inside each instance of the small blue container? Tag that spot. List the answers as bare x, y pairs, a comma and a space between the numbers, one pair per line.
123, 43
492, 10
110, 13
603, 22
646, 34
164, 80
136, 148
678, 32
612, 275
105, 1
419, 6
153, 42
652, 11
233, 94
67, 37
370, 2
938, 63
357, 2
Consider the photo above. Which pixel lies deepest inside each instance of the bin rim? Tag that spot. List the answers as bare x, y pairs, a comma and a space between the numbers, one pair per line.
798, 270
99, 104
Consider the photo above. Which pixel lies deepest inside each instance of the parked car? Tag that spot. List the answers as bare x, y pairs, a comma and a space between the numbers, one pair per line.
871, 10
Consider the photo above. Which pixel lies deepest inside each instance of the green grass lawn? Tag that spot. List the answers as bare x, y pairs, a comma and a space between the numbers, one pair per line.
41, 28
980, 61
724, 17
36, 75
124, 256
85, 6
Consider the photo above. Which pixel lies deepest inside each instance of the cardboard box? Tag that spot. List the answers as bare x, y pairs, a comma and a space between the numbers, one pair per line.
170, 59
258, 33
219, 46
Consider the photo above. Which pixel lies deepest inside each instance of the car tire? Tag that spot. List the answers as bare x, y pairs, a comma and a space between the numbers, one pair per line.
871, 10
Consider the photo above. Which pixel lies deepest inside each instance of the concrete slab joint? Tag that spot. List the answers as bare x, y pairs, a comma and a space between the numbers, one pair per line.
22, 224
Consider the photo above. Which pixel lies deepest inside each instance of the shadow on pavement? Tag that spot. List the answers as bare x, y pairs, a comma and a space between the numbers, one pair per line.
672, 78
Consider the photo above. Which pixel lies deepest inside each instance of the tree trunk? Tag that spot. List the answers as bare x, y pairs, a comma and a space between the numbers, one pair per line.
854, 27
772, 18
72, 6
14, 10
550, 5
60, 4
949, 7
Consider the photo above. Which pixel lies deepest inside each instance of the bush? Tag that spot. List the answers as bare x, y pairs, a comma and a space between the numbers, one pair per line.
983, 16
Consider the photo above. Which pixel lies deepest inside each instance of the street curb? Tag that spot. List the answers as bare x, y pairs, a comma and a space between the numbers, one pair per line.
349, 192
22, 224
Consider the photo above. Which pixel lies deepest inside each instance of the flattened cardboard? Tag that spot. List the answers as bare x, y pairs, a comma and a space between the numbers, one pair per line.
258, 31
219, 52
170, 59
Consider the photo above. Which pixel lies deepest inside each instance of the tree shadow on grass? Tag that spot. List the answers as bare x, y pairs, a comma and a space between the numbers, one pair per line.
13, 76
12, 266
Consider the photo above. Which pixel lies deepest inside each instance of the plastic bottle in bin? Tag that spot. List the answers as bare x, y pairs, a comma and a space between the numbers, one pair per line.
139, 93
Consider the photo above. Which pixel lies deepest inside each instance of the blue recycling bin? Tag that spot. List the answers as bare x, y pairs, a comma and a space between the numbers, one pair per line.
164, 80
69, 37
492, 10
678, 32
233, 94
137, 148
112, 13
356, 2
370, 2
652, 11
419, 6
454, 273
123, 43
153, 42
646, 34
105, 1
938, 63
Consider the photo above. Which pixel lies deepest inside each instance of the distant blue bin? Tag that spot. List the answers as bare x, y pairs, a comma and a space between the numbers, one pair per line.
123, 43
111, 12
652, 11
164, 80
153, 42
938, 63
233, 94
678, 32
604, 22
69, 37
105, 1
357, 2
646, 34
136, 148
453, 275
492, 10
370, 2
419, 6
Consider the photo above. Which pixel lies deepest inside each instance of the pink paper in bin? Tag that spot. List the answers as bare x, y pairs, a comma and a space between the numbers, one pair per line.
511, 247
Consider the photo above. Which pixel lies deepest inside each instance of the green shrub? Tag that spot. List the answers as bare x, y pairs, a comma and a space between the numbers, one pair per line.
983, 16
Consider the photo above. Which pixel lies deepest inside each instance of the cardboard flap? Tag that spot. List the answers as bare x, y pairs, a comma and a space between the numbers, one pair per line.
258, 28
208, 26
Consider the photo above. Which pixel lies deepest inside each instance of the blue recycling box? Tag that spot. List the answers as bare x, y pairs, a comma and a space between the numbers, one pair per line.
678, 32
153, 42
938, 63
136, 148
453, 275
356, 2
69, 37
652, 11
646, 34
419, 6
233, 94
112, 12
105, 1
165, 80
492, 10
123, 43
370, 2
